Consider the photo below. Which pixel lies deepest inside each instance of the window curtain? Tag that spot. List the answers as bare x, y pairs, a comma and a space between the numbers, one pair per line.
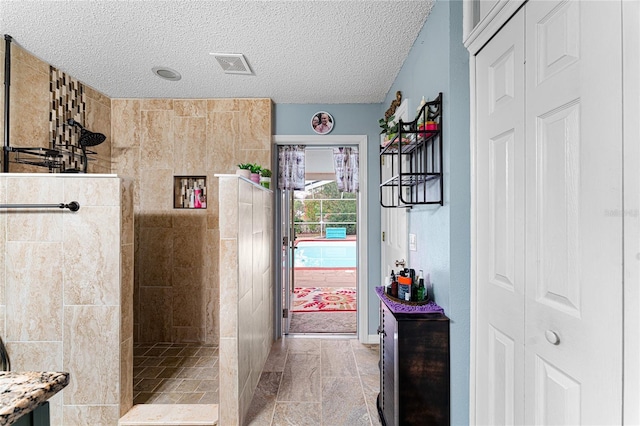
346, 165
291, 167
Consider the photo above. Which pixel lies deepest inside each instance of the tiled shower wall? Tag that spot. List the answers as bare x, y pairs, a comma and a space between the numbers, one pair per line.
30, 109
176, 286
66, 285
247, 293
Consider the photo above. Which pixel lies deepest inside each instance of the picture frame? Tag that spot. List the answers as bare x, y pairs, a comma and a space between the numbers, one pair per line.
322, 122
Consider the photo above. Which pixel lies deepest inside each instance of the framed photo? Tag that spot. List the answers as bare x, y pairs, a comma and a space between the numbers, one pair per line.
322, 122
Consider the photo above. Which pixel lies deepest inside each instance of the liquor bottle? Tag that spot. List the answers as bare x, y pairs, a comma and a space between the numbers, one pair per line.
394, 285
421, 290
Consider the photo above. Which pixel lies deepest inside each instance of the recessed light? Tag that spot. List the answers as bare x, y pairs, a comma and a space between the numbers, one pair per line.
166, 73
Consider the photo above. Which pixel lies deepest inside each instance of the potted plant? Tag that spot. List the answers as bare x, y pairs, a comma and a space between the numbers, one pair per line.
265, 178
389, 128
244, 170
255, 173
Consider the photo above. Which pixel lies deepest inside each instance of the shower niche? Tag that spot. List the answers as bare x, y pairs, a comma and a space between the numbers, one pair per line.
189, 192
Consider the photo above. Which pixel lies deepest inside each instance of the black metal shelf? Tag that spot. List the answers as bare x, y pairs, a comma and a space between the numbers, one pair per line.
71, 149
41, 157
415, 155
410, 179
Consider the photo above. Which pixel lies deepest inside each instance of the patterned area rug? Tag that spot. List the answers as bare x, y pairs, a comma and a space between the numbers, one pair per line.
324, 299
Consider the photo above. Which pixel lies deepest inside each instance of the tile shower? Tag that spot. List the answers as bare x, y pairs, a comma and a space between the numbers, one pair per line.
175, 259
154, 140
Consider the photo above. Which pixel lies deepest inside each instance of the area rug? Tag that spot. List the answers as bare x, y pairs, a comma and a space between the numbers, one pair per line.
323, 322
324, 299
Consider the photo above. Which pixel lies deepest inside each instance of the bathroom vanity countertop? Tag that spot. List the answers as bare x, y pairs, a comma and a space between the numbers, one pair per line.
23, 392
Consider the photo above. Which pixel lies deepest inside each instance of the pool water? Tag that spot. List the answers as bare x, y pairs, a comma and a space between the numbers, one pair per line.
325, 254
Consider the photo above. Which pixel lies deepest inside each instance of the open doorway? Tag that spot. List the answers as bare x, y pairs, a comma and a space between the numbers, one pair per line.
323, 274
323, 262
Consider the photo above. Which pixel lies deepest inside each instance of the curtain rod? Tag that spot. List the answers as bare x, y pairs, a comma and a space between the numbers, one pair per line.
74, 206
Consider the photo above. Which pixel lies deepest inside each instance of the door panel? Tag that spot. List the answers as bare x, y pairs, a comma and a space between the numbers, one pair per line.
393, 220
558, 208
502, 370
500, 231
573, 357
288, 253
558, 396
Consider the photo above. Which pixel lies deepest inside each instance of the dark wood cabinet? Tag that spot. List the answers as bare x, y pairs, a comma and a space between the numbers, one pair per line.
38, 417
414, 368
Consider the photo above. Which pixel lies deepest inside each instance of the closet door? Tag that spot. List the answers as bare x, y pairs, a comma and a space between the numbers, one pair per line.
499, 362
573, 346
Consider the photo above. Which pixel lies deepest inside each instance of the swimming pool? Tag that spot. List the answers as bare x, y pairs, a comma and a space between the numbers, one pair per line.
325, 254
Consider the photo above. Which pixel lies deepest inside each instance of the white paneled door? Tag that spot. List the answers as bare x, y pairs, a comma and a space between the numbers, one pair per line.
549, 217
500, 233
573, 233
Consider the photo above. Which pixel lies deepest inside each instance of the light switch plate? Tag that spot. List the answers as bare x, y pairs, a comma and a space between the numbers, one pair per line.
412, 242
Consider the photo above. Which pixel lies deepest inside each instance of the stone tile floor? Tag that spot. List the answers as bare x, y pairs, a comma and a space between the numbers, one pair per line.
327, 381
317, 381
178, 373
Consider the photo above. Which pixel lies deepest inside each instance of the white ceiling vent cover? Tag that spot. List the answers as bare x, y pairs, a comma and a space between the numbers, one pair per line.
233, 63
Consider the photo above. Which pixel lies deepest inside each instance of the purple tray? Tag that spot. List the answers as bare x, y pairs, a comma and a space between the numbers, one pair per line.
403, 308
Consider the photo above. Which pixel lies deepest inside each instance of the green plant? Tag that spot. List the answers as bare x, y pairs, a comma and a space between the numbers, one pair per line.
265, 173
255, 168
245, 166
386, 128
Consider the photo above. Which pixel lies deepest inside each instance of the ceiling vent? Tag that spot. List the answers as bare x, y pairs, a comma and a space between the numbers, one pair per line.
233, 63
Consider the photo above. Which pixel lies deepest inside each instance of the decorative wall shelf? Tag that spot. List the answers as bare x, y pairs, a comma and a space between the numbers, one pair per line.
415, 160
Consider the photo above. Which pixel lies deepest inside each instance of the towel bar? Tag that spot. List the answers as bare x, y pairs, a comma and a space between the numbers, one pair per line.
74, 206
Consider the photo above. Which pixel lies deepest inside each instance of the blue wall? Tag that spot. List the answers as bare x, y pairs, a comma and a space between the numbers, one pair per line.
438, 62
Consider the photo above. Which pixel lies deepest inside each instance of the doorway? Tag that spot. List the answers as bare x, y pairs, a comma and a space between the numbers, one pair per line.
323, 253
310, 242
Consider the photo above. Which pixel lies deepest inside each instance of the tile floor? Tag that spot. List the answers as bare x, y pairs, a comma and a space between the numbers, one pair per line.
327, 381
179, 373
317, 381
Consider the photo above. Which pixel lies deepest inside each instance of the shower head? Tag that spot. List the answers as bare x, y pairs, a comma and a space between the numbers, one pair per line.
87, 138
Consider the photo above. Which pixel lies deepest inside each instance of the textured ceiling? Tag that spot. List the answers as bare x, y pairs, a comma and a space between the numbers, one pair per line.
300, 51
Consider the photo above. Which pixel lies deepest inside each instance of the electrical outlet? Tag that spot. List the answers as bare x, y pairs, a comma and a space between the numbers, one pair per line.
413, 245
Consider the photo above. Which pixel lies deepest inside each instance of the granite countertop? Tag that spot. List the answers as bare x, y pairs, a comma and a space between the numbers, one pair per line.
22, 392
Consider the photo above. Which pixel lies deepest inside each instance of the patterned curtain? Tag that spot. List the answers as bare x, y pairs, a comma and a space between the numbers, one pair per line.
346, 165
291, 167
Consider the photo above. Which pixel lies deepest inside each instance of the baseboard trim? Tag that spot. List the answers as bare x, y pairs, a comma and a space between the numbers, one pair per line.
372, 339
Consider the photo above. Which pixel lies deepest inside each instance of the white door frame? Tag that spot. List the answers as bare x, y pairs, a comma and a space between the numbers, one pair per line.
363, 264
631, 215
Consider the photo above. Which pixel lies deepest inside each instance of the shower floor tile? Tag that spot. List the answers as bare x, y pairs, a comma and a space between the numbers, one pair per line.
178, 373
